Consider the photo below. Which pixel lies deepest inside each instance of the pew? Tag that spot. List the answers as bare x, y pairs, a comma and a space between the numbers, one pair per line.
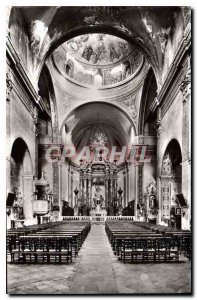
146, 250
47, 244
140, 244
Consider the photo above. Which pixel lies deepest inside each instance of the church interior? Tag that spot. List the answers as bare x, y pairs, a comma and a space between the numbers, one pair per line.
98, 123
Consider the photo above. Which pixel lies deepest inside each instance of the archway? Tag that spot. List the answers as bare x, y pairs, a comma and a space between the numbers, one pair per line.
105, 125
172, 199
46, 91
21, 179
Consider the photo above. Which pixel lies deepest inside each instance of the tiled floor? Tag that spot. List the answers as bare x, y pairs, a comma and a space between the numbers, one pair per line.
97, 271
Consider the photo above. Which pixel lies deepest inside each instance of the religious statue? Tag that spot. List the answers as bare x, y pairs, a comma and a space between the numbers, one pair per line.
98, 192
76, 192
152, 201
120, 191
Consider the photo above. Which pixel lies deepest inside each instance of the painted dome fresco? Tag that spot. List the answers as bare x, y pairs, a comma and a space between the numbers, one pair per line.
98, 49
97, 59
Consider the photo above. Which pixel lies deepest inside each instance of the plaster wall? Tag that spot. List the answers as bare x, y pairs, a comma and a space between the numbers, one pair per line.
21, 125
171, 128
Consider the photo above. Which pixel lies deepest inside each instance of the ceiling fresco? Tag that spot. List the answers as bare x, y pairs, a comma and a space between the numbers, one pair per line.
97, 59
99, 49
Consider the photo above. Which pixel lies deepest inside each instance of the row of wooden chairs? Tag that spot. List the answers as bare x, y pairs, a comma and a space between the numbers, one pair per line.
48, 245
148, 249
139, 245
182, 237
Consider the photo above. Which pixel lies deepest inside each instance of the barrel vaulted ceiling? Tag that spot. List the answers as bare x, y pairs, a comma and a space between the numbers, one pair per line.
88, 120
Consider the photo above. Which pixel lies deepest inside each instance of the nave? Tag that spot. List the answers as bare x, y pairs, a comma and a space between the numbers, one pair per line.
98, 150
97, 268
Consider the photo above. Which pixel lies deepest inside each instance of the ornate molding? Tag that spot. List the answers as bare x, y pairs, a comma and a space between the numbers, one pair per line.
9, 85
167, 168
154, 104
185, 85
186, 14
21, 73
120, 91
35, 121
151, 188
129, 102
169, 85
158, 122
186, 163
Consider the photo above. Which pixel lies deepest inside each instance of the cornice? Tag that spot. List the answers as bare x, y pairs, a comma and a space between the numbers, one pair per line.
120, 91
22, 94
19, 71
176, 67
172, 93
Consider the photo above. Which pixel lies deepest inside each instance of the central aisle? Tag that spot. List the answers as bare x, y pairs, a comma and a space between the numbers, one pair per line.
95, 271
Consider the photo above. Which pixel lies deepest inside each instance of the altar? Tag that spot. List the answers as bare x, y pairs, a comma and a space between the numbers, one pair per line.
98, 212
98, 188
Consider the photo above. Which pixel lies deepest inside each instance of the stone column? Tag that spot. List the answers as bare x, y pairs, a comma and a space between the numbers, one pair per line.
125, 189
132, 182
71, 190
66, 181
107, 189
111, 188
158, 179
89, 189
80, 184
139, 185
57, 187
159, 187
115, 184
28, 196
186, 141
56, 192
9, 87
36, 130
85, 187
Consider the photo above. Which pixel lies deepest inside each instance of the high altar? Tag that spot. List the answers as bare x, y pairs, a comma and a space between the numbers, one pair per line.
98, 189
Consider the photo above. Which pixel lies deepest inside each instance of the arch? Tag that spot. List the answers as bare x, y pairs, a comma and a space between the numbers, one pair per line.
146, 99
172, 159
115, 105
20, 153
144, 33
21, 176
100, 28
52, 99
171, 183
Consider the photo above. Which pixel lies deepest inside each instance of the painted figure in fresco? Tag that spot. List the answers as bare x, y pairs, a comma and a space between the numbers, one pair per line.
87, 53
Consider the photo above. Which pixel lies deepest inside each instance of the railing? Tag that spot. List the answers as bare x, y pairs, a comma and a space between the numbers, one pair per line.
132, 218
96, 218
75, 218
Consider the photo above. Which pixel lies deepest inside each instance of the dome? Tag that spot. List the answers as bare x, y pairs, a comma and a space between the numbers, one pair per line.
97, 59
